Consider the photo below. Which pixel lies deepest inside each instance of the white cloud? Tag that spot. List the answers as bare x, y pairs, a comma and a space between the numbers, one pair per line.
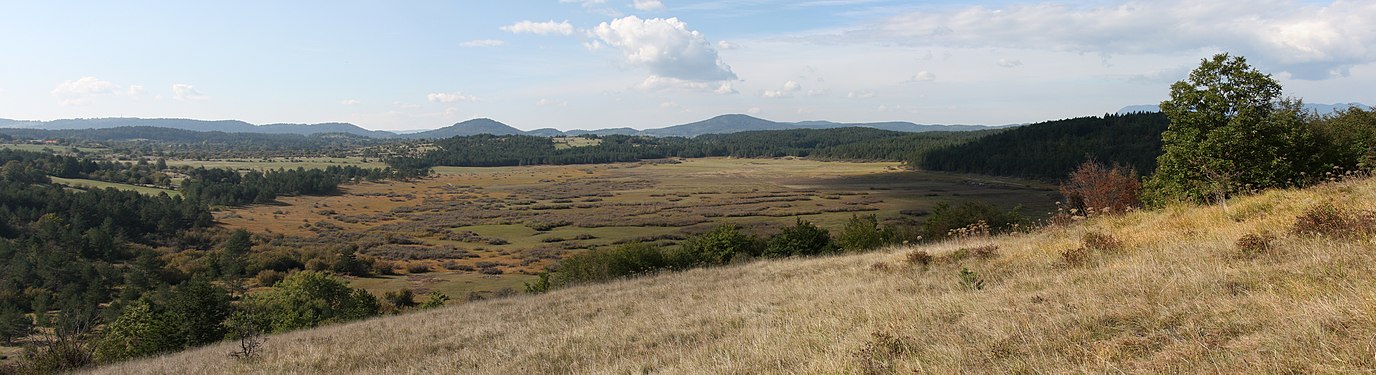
666, 47
789, 89
83, 90
1307, 40
860, 94
482, 43
350, 102
541, 28
922, 76
551, 103
754, 110
725, 45
182, 91
725, 89
668, 104
585, 3
449, 97
648, 5
1009, 63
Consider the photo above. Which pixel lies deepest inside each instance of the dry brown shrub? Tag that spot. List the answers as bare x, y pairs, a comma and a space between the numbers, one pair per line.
1255, 244
1076, 257
985, 252
919, 257
1094, 187
879, 354
1101, 242
880, 267
1328, 220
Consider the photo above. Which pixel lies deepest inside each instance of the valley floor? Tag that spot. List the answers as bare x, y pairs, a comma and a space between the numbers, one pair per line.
1160, 291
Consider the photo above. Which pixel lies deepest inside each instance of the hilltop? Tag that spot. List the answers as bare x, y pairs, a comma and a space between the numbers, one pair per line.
724, 124
1171, 290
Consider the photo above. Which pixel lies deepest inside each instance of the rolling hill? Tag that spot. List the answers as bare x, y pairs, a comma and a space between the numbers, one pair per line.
723, 124
1168, 291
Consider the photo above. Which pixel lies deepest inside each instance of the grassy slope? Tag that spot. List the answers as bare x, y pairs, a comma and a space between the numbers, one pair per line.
1178, 297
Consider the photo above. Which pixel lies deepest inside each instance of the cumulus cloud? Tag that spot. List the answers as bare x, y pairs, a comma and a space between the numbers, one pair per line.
350, 102
1009, 63
648, 5
753, 110
725, 89
83, 90
725, 45
543, 102
1310, 41
541, 28
860, 94
666, 47
922, 76
789, 89
449, 97
482, 43
185, 92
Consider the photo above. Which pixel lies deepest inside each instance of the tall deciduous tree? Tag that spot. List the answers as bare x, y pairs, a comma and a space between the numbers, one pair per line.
1230, 131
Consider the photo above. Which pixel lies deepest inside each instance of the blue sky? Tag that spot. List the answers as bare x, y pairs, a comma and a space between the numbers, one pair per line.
571, 64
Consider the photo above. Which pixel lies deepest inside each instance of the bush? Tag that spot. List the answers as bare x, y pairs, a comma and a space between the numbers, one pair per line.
309, 299
435, 299
417, 268
919, 257
400, 299
1328, 220
947, 219
715, 247
801, 239
1255, 244
14, 324
970, 280
864, 233
1076, 257
1094, 187
605, 264
1101, 242
269, 277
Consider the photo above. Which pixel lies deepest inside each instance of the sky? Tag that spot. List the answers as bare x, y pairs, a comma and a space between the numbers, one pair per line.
591, 64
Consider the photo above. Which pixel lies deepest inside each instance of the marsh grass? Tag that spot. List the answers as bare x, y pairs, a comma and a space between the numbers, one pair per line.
1175, 298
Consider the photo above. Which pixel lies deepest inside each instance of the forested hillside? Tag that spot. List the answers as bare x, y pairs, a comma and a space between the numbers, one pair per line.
1050, 150
851, 143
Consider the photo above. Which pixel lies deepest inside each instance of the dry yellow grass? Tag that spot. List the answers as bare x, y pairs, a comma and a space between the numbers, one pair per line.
1178, 297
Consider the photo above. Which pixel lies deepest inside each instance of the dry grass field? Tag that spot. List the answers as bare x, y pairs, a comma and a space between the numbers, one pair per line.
521, 219
1184, 289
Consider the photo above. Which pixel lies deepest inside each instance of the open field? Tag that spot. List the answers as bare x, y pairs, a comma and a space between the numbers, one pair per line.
1177, 290
47, 148
521, 219
93, 184
281, 163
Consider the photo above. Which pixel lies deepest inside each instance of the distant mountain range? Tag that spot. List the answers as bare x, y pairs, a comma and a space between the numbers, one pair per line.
1322, 109
717, 125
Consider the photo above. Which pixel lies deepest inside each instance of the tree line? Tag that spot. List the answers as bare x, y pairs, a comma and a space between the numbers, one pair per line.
852, 143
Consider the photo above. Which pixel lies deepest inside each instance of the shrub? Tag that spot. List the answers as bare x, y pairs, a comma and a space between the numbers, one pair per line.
1094, 187
269, 277
1076, 257
309, 299
970, 280
1255, 244
435, 299
605, 264
1101, 242
400, 299
864, 233
717, 246
947, 219
879, 354
985, 252
1328, 220
919, 257
801, 239
383, 267
417, 268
